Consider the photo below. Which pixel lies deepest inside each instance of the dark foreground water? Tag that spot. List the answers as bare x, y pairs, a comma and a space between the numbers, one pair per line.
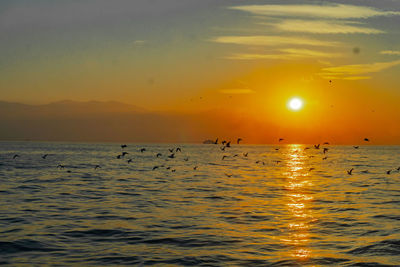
267, 209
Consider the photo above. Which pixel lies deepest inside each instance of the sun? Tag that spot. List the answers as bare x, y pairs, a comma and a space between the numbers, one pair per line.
295, 104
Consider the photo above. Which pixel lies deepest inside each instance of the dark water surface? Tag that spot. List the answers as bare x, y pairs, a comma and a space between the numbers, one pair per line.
271, 214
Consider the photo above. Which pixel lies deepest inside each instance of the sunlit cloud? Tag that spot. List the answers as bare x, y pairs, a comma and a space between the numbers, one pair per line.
356, 72
390, 52
264, 40
237, 91
294, 52
338, 11
323, 27
286, 54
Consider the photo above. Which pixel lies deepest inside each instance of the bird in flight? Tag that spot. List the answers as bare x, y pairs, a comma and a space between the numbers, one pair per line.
238, 140
123, 146
281, 139
143, 150
45, 156
245, 154
216, 141
178, 149
224, 156
350, 172
15, 156
171, 156
97, 166
195, 168
356, 147
129, 160
124, 153
366, 139
316, 146
325, 150
326, 143
158, 155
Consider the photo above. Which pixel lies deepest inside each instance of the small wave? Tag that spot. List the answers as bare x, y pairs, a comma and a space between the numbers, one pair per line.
384, 248
25, 245
191, 242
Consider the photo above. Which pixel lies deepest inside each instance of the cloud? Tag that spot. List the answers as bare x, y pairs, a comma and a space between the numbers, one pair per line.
337, 11
390, 52
264, 40
323, 27
356, 71
286, 54
294, 52
237, 91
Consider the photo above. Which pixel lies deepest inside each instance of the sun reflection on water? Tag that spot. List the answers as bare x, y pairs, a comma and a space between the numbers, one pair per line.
298, 200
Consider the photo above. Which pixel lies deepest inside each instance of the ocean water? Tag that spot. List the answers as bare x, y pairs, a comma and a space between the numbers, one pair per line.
286, 207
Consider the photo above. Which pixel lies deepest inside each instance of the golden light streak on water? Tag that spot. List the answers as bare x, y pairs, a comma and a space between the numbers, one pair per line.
298, 201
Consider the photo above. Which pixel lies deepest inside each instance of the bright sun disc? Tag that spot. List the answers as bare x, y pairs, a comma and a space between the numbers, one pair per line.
295, 104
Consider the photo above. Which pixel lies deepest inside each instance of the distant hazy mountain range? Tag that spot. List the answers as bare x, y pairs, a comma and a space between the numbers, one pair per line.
101, 121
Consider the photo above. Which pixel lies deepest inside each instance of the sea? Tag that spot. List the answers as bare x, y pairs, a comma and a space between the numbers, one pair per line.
260, 205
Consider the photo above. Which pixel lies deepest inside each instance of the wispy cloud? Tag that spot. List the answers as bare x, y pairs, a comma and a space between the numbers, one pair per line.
264, 40
286, 54
323, 27
294, 52
237, 91
390, 52
338, 11
356, 72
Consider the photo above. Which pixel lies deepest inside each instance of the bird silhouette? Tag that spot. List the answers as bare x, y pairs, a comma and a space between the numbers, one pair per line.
222, 148
228, 144
350, 172
123, 146
356, 147
316, 146
195, 168
216, 141
280, 139
325, 150
171, 156
45, 156
171, 150
143, 150
324, 158
173, 170
158, 155
310, 169
178, 149
129, 160
224, 156
119, 156
236, 155
155, 167
223, 142
388, 172
96, 167
124, 153
60, 166
366, 139
245, 154
326, 143
238, 140
15, 156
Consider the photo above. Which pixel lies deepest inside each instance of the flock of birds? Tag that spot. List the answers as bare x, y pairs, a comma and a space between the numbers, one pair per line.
225, 144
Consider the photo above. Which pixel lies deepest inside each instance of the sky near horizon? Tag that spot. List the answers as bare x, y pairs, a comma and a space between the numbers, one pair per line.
192, 55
